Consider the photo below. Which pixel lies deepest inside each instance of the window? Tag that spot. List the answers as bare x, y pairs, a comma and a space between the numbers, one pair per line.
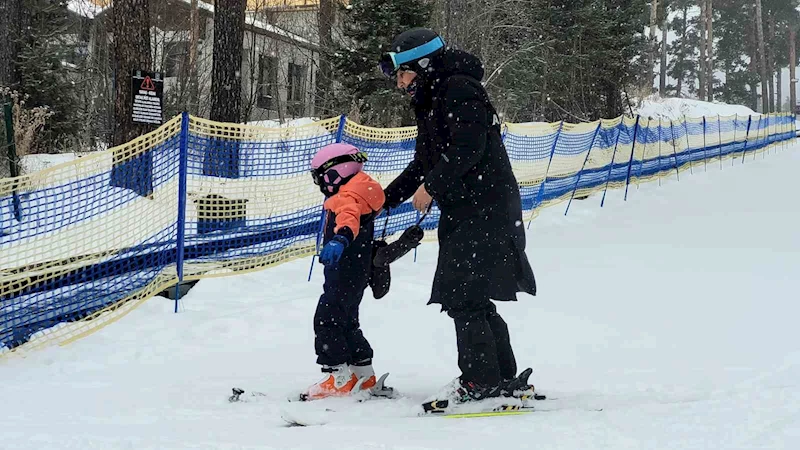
296, 90
176, 58
267, 82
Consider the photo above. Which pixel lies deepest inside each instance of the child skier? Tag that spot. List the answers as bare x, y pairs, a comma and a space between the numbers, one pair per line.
353, 199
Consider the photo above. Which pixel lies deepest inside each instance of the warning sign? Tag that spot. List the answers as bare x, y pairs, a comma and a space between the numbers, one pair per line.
148, 85
148, 93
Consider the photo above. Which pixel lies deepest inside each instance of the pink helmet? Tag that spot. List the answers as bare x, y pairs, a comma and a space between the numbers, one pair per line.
334, 164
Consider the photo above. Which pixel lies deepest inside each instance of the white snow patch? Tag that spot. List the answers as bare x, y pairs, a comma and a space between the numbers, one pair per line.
37, 162
286, 124
85, 8
676, 108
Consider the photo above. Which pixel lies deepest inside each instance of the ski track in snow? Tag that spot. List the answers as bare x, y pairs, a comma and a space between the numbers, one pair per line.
675, 312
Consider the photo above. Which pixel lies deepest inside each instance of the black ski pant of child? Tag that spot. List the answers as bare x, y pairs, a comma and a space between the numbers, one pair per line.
338, 336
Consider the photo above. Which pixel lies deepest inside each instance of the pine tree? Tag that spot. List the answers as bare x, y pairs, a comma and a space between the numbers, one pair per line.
579, 64
734, 40
42, 67
10, 20
682, 67
782, 14
369, 27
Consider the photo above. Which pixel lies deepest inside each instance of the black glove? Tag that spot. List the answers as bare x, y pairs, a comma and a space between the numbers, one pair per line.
410, 239
380, 278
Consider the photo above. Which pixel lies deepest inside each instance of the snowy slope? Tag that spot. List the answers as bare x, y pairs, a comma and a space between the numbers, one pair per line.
675, 312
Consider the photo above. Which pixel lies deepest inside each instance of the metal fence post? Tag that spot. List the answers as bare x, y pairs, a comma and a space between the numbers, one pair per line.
182, 175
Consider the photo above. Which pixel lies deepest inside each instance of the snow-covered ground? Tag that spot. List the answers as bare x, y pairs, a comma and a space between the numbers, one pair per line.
37, 162
286, 124
675, 312
678, 108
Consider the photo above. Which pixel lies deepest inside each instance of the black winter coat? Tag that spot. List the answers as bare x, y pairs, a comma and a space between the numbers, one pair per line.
461, 158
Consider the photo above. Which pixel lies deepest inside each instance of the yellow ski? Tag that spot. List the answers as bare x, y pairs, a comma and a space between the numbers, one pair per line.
487, 414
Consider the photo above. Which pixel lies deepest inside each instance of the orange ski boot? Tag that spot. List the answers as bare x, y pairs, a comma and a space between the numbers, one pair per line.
339, 383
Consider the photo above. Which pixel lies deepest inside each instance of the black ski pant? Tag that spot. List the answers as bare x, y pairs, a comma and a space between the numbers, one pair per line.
485, 356
338, 336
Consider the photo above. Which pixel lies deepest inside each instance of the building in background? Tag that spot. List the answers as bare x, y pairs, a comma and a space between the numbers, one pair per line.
279, 61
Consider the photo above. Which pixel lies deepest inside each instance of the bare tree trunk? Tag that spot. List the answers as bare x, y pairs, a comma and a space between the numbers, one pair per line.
792, 64
131, 20
682, 51
194, 41
226, 74
778, 93
710, 50
325, 72
771, 60
651, 48
762, 63
250, 98
10, 11
753, 65
662, 81
701, 74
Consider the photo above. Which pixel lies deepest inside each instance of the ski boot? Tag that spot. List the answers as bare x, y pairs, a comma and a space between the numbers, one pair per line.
364, 372
338, 383
520, 388
469, 397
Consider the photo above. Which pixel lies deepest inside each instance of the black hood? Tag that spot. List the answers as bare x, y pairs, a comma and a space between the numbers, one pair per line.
458, 62
448, 63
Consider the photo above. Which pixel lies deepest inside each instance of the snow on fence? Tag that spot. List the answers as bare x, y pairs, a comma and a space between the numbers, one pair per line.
84, 242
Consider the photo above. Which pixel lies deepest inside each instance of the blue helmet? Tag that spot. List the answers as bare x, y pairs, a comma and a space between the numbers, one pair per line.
411, 50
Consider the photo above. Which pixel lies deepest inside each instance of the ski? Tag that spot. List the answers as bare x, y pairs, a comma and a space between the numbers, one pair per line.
444, 409
485, 408
497, 407
380, 390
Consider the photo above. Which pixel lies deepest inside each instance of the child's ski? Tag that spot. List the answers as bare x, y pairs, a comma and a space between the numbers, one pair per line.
380, 390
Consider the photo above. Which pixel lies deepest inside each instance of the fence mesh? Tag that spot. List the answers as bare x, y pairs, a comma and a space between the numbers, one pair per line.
84, 242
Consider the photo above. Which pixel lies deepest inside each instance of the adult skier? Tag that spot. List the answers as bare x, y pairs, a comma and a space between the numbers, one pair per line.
461, 163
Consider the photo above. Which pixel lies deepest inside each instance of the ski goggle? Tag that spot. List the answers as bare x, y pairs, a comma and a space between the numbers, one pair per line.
390, 62
319, 174
328, 181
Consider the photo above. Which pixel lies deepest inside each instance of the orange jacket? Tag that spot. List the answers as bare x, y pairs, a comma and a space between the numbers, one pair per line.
359, 196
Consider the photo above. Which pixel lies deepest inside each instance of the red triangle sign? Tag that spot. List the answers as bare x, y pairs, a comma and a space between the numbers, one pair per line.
148, 85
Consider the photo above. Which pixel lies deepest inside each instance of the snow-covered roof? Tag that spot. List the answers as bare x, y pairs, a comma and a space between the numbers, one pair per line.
250, 19
87, 8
